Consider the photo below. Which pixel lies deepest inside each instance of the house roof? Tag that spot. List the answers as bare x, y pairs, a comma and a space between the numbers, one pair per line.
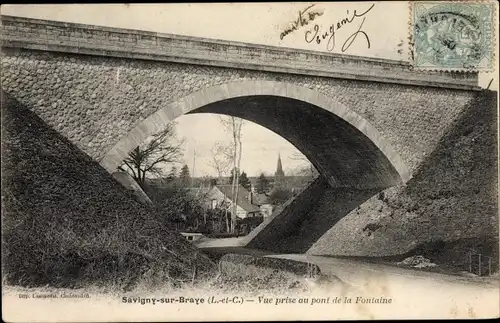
243, 196
259, 199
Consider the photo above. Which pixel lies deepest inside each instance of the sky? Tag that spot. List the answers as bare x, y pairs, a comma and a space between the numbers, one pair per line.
259, 152
260, 23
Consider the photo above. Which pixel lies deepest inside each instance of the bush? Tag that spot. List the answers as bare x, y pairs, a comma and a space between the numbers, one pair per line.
279, 196
269, 274
176, 206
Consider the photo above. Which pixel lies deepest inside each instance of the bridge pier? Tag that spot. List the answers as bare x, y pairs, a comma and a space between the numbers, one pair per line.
297, 225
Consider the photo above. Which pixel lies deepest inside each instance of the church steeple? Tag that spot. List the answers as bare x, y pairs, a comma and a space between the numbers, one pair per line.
279, 168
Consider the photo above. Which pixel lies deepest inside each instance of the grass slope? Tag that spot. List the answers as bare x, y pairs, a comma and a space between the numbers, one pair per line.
67, 223
449, 207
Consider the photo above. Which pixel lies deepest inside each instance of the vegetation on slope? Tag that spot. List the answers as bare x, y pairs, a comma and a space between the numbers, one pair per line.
448, 208
67, 223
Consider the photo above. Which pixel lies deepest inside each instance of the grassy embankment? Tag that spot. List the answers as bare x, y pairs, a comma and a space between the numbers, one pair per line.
448, 208
67, 223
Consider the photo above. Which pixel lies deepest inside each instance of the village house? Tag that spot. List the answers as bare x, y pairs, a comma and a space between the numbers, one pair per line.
262, 201
220, 194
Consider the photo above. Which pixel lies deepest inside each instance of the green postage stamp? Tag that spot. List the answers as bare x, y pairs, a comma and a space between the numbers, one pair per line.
453, 36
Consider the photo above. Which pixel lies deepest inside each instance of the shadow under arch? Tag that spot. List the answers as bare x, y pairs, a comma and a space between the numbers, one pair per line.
341, 144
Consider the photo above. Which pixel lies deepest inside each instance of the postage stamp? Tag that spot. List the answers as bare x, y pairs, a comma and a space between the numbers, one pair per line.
454, 36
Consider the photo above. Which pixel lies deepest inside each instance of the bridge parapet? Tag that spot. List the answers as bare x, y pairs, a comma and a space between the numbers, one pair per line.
36, 34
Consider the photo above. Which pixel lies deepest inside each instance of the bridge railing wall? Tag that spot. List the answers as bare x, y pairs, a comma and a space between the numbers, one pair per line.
28, 33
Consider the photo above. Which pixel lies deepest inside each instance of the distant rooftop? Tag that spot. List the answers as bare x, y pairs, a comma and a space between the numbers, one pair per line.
243, 197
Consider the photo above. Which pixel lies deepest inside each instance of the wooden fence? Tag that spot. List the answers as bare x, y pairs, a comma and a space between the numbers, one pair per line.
479, 264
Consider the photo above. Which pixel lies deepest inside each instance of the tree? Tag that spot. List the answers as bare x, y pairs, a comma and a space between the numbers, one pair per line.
222, 158
280, 195
234, 125
177, 207
172, 175
185, 177
262, 186
235, 173
245, 182
149, 157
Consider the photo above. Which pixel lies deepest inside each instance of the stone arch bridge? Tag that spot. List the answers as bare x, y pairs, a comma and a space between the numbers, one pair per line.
365, 123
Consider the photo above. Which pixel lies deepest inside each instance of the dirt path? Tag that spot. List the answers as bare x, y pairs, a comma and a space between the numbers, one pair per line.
354, 271
377, 292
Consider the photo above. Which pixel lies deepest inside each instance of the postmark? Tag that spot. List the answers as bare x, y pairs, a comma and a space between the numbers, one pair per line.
454, 36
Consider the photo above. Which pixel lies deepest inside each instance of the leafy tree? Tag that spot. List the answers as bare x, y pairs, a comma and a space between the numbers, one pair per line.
262, 184
177, 207
148, 158
245, 182
279, 196
185, 176
233, 175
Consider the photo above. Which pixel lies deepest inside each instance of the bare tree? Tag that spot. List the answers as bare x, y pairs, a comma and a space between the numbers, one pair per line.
149, 157
234, 125
237, 132
221, 160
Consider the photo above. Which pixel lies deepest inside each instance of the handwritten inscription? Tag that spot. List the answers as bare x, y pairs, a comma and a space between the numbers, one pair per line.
305, 16
319, 35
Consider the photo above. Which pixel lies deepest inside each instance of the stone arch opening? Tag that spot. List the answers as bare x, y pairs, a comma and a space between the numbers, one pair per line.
343, 146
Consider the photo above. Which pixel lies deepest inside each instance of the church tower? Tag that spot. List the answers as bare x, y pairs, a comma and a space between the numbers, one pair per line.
279, 174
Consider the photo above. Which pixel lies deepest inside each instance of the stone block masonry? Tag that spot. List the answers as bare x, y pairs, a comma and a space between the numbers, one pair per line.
97, 40
97, 100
